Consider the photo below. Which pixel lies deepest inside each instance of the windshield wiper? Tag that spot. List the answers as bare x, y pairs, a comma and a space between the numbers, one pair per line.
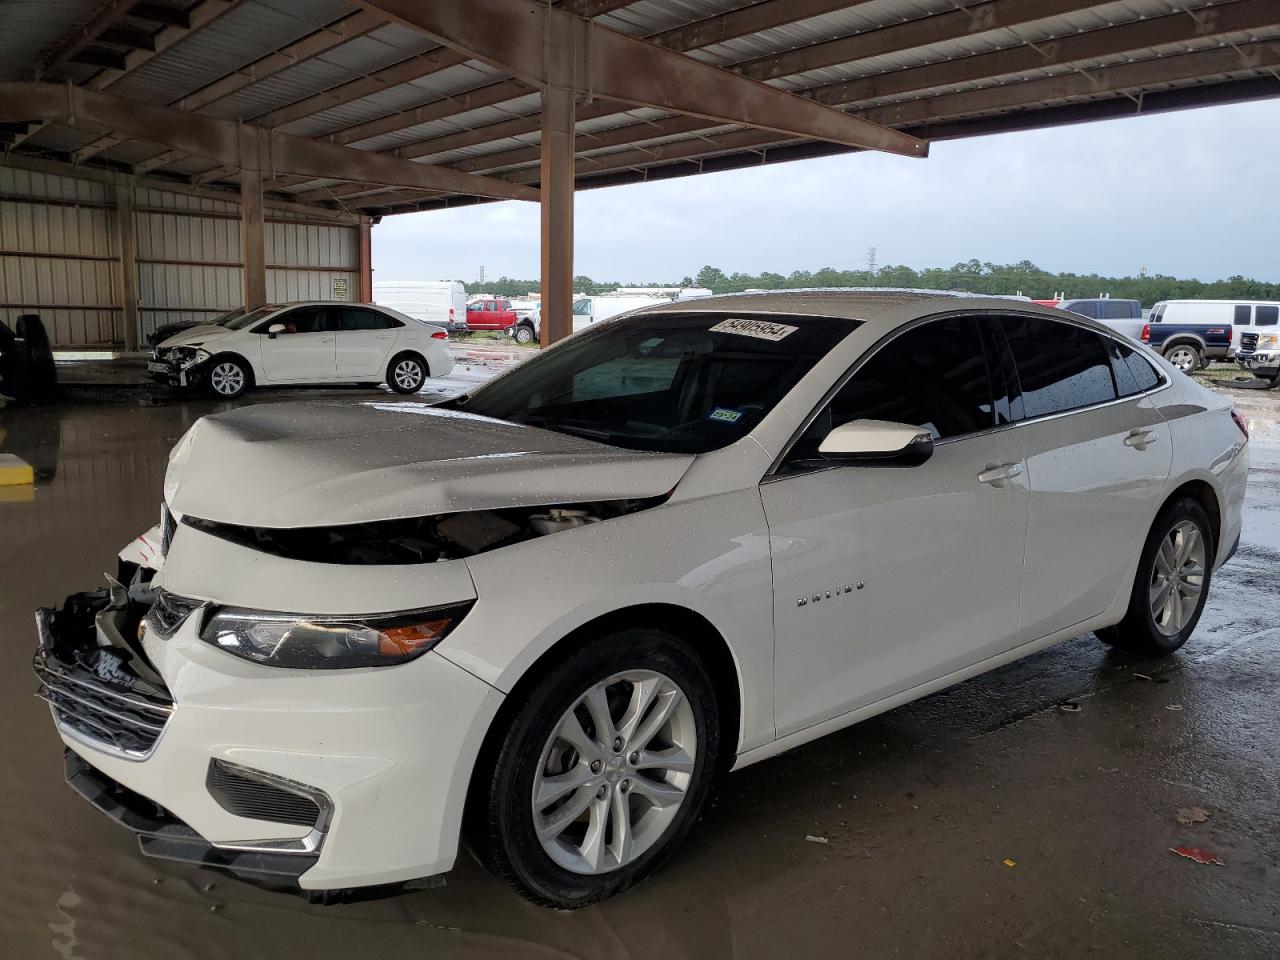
561, 426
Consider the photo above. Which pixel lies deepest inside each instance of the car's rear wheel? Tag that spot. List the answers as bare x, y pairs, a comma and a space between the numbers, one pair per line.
1185, 357
228, 377
406, 373
602, 771
524, 333
1172, 583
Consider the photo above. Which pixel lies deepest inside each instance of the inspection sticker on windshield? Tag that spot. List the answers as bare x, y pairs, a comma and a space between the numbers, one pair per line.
725, 415
759, 329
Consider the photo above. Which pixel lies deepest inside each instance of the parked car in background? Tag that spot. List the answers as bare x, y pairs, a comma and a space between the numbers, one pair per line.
307, 342
677, 544
441, 302
167, 330
1235, 314
1187, 346
1122, 315
589, 310
1259, 350
491, 313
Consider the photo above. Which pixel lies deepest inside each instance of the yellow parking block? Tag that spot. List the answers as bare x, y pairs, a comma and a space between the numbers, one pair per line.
15, 472
24, 493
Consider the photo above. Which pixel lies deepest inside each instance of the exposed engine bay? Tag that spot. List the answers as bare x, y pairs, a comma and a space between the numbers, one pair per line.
432, 539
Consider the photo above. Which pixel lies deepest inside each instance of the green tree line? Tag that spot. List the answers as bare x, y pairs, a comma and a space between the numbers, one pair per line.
973, 276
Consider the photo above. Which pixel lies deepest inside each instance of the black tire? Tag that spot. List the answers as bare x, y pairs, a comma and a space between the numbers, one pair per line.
42, 373
1138, 631
1187, 357
502, 820
524, 334
399, 368
221, 382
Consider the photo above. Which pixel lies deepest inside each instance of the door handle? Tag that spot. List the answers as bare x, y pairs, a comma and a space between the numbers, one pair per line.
996, 476
1141, 438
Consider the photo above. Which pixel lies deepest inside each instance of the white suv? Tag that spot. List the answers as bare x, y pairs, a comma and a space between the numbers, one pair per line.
675, 543
305, 342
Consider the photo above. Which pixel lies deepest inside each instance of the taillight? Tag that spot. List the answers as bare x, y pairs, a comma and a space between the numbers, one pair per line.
1244, 427
440, 335
1146, 333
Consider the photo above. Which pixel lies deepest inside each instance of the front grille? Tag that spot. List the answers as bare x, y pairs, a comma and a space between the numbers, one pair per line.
167, 527
259, 796
1249, 341
106, 714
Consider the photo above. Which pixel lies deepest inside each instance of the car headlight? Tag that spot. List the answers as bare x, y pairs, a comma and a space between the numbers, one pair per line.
1270, 340
191, 359
328, 642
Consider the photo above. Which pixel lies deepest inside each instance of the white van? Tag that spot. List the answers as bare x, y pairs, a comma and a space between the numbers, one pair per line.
1236, 314
431, 301
589, 310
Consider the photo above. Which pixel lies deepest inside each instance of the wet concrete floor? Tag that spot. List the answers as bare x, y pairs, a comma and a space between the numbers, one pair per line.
984, 821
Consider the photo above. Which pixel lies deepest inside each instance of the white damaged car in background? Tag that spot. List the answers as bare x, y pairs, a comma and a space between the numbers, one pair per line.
545, 616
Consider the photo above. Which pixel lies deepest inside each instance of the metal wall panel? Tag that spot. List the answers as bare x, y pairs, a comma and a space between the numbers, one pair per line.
298, 245
283, 285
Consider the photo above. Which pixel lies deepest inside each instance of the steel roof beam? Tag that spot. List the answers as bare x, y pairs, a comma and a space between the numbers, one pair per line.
198, 16
737, 23
220, 140
511, 34
83, 36
1173, 28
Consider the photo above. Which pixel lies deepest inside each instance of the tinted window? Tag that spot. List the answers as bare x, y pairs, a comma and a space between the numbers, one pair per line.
353, 319
1157, 313
300, 320
1120, 310
582, 307
1144, 374
933, 376
1243, 313
1266, 316
1086, 308
1060, 366
685, 382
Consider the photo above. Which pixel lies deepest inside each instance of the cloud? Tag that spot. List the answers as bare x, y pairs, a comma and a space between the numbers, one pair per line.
1192, 194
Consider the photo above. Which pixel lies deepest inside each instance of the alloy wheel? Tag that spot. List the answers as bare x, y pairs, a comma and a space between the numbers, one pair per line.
614, 772
227, 379
1177, 578
408, 374
1184, 359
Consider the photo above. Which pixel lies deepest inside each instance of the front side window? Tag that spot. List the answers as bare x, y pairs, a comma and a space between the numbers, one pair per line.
299, 320
673, 382
1266, 316
932, 376
1060, 366
1242, 315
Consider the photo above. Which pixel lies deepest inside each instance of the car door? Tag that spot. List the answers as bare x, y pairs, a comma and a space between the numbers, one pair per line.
365, 337
1098, 454
581, 313
886, 577
305, 351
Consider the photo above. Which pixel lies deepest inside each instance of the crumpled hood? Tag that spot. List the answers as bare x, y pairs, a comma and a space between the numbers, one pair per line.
311, 464
204, 333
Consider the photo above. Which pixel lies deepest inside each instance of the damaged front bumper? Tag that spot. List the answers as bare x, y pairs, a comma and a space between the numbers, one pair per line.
178, 369
336, 785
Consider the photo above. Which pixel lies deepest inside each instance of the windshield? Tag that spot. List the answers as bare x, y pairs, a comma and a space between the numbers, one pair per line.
227, 317
672, 382
253, 316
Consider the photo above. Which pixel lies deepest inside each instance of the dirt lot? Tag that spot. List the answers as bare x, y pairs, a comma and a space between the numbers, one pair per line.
984, 821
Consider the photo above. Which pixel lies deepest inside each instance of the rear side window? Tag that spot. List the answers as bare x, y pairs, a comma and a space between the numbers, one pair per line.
355, 319
1266, 316
933, 376
1157, 313
1060, 366
1120, 310
1243, 313
1144, 374
1133, 374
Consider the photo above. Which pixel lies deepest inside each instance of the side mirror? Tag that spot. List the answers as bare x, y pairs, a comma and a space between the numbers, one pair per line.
274, 329
878, 442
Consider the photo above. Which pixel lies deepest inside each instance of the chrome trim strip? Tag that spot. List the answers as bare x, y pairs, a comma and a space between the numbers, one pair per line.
308, 844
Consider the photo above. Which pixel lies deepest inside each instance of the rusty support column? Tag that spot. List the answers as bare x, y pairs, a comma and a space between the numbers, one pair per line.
127, 265
253, 235
366, 260
557, 181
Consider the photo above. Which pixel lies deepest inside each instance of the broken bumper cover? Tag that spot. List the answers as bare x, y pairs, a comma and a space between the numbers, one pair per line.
178, 370
386, 753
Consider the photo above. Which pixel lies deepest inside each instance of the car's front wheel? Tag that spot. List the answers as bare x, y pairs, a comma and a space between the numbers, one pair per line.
602, 770
228, 377
1172, 582
406, 373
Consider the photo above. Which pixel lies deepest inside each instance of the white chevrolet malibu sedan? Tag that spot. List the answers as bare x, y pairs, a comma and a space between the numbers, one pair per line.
546, 615
309, 342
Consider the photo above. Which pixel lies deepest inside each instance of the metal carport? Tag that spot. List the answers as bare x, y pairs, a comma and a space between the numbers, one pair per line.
174, 156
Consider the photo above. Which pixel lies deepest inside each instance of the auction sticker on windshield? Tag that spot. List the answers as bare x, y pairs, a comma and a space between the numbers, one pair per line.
759, 329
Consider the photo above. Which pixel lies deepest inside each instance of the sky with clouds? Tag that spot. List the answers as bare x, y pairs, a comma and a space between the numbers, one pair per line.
1190, 194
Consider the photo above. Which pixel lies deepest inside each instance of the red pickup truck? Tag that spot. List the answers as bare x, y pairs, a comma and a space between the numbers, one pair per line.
491, 313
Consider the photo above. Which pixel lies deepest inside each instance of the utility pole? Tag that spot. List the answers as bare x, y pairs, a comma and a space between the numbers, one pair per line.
871, 263
481, 275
